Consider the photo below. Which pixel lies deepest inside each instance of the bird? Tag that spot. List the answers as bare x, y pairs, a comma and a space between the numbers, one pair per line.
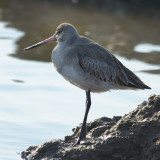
89, 66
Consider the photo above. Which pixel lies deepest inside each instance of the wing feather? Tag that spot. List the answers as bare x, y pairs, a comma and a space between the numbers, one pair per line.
99, 62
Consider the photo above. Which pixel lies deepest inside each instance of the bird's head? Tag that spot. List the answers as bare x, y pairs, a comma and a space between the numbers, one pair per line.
65, 33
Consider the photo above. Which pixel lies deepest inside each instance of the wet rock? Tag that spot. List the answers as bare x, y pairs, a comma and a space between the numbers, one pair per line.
135, 136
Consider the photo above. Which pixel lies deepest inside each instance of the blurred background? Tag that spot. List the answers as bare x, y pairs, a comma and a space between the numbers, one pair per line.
36, 103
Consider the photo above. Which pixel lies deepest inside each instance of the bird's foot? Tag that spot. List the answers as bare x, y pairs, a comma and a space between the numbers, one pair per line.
77, 142
82, 136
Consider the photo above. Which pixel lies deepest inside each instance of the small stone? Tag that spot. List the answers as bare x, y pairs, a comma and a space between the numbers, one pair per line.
157, 102
151, 99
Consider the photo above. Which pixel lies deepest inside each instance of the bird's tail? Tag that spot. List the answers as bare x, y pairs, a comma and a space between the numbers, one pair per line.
135, 81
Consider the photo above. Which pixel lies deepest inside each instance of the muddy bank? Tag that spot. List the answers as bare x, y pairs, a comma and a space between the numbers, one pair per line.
135, 136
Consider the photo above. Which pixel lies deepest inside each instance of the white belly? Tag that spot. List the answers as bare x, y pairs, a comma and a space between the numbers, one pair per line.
84, 80
70, 69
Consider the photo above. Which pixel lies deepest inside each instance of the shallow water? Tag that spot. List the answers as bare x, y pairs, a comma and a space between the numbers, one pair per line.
36, 103
147, 48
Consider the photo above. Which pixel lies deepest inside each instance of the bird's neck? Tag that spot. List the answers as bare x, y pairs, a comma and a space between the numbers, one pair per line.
69, 42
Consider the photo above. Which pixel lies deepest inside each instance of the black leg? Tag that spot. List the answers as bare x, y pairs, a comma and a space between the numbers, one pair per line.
82, 134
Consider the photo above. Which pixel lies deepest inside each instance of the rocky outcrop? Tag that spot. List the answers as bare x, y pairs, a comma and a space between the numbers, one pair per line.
135, 136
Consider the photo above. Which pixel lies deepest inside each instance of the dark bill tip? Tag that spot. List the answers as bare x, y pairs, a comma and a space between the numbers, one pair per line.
26, 48
33, 46
51, 39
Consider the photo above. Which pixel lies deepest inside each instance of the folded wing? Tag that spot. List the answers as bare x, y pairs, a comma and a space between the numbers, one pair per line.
99, 62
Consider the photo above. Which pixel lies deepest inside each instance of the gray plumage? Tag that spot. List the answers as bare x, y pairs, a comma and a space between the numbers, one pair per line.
89, 66
95, 66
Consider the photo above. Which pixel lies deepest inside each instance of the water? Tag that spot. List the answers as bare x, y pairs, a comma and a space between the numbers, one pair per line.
36, 103
147, 48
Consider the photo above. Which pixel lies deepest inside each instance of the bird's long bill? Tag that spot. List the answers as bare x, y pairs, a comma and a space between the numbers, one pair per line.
48, 40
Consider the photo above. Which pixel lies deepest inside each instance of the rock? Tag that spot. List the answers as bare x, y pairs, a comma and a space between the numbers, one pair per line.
135, 136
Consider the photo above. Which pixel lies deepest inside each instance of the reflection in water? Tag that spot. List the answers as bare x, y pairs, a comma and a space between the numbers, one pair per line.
157, 71
116, 31
17, 81
20, 123
146, 48
41, 105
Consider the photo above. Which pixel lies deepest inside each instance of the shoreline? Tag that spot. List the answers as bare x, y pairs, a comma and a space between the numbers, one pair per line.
131, 137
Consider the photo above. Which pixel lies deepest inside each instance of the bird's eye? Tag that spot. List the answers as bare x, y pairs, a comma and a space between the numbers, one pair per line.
58, 31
